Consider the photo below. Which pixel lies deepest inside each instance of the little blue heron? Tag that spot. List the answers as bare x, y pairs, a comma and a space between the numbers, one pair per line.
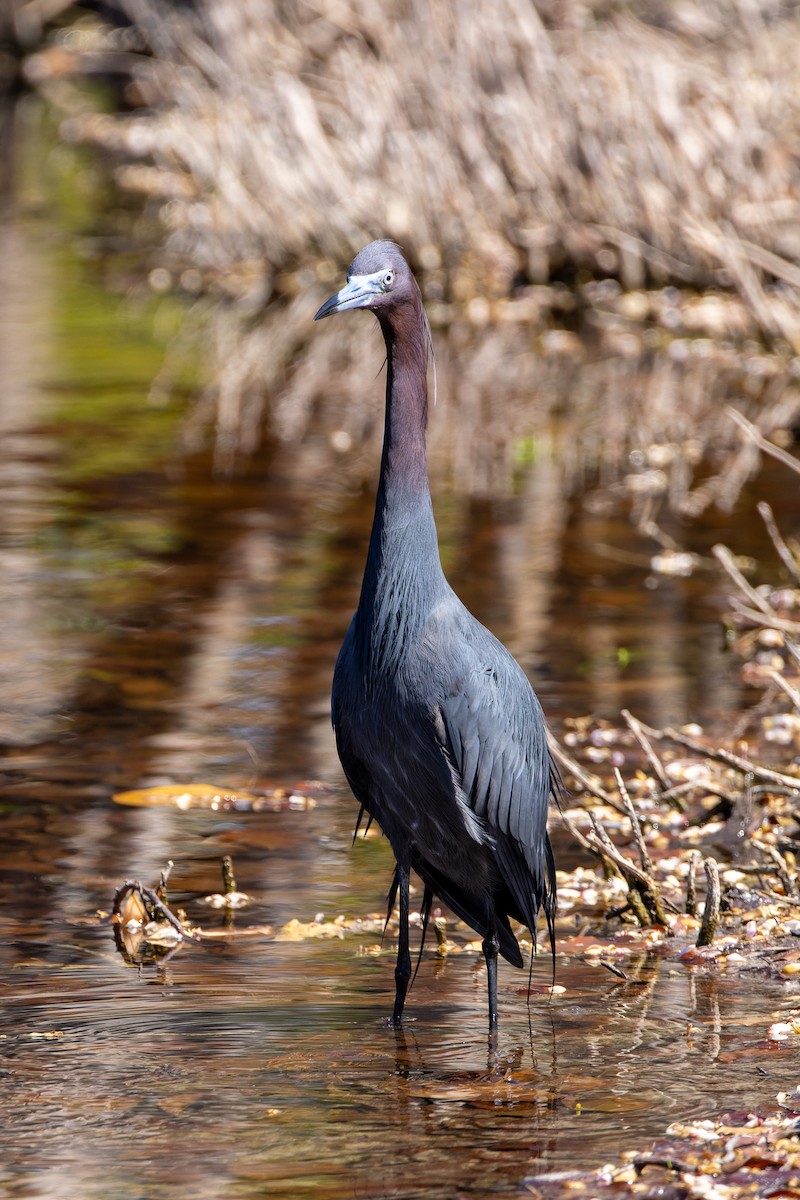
439, 732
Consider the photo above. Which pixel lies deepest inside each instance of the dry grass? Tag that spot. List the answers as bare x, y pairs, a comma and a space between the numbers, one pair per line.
502, 145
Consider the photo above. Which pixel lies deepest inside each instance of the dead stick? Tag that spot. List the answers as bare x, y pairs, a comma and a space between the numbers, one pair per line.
133, 885
727, 757
769, 620
161, 890
785, 686
228, 878
652, 757
629, 869
787, 877
577, 834
710, 920
590, 845
758, 438
695, 785
784, 553
602, 836
691, 886
640, 910
637, 880
793, 650
644, 857
728, 562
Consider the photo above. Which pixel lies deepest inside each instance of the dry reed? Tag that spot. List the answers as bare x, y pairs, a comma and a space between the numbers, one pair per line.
504, 146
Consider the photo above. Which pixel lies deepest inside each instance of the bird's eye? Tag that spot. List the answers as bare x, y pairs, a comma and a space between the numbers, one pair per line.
388, 279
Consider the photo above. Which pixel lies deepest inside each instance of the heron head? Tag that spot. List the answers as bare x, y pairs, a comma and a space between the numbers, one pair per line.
379, 279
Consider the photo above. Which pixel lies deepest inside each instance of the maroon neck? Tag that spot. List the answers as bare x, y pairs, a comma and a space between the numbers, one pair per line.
403, 577
404, 463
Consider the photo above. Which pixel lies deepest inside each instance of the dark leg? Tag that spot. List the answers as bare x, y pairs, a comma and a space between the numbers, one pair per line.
402, 972
490, 945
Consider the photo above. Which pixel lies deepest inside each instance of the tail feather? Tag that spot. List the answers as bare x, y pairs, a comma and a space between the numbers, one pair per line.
473, 912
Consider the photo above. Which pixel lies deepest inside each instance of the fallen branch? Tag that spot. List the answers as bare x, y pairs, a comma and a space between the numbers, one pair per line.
763, 443
691, 885
643, 891
152, 903
644, 857
792, 650
787, 876
785, 686
710, 919
728, 562
653, 757
727, 757
767, 620
783, 551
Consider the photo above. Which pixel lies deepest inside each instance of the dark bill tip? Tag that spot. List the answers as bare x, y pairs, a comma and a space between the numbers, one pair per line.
330, 306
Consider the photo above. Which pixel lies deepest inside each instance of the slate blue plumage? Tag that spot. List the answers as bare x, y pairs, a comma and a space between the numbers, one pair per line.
439, 732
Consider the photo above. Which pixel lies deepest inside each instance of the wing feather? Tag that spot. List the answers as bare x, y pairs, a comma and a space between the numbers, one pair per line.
495, 737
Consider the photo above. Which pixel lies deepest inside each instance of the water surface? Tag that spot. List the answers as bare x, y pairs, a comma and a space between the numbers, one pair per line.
161, 624
258, 1067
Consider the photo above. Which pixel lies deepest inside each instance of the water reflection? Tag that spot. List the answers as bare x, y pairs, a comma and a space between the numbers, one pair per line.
268, 1067
162, 624
188, 625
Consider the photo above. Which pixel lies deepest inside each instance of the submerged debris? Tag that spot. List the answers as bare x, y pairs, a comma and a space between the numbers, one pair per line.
230, 897
207, 795
146, 929
144, 925
739, 1156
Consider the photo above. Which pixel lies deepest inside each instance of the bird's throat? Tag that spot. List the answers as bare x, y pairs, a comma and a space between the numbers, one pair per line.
403, 572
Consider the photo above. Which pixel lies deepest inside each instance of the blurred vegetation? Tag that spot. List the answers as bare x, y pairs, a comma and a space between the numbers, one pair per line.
628, 173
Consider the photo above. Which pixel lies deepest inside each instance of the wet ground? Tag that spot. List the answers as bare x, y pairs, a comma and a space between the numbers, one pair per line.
163, 625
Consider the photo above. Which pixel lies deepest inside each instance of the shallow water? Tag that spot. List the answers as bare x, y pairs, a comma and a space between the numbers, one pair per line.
161, 625
257, 1067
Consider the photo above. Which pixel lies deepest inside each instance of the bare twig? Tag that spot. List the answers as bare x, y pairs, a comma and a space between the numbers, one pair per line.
644, 857
785, 686
759, 440
691, 886
152, 898
708, 786
602, 835
784, 553
576, 833
710, 919
643, 891
787, 876
767, 620
775, 264
792, 650
613, 968
727, 757
655, 762
161, 890
729, 563
228, 877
